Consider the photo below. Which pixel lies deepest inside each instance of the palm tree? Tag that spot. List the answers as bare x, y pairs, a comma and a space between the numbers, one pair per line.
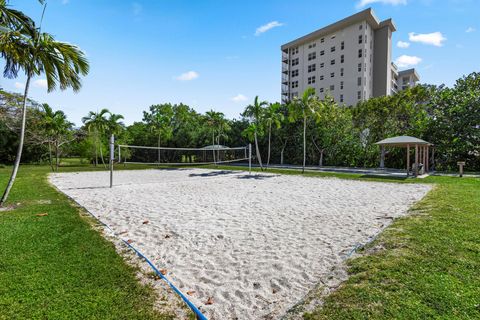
57, 128
97, 123
272, 116
214, 119
255, 113
24, 47
305, 108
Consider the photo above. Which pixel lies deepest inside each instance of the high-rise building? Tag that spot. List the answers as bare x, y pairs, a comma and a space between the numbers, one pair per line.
351, 60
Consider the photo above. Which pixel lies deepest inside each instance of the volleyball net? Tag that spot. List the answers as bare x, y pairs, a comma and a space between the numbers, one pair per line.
215, 154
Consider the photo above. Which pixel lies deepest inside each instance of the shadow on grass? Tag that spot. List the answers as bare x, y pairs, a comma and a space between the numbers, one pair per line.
382, 177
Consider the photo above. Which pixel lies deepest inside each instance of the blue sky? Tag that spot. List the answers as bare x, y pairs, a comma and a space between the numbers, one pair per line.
214, 54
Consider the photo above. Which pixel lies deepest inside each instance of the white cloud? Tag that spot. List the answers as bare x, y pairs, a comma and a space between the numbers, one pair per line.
405, 61
267, 27
364, 3
239, 98
136, 8
403, 44
187, 76
19, 85
65, 1
40, 83
470, 29
434, 38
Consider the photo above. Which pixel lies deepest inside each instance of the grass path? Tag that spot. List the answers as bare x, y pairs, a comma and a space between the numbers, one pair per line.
57, 266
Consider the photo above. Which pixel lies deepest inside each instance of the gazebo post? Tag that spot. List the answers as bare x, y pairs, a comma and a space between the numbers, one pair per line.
416, 160
408, 160
433, 158
427, 166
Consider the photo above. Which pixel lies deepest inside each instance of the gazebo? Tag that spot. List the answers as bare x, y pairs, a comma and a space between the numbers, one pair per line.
422, 151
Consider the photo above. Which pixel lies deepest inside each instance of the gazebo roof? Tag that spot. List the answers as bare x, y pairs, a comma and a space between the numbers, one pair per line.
402, 141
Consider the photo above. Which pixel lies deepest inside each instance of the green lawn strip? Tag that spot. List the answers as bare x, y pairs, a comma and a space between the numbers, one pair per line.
57, 266
429, 268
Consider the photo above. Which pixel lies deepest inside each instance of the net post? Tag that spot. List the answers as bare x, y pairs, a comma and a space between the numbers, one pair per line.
119, 154
249, 158
112, 157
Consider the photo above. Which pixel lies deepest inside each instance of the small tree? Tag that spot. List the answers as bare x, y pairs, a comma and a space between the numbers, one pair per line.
255, 112
305, 109
272, 117
159, 120
97, 123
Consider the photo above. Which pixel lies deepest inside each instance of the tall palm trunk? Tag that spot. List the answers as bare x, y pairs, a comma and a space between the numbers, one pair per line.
101, 156
57, 156
50, 155
213, 146
304, 142
16, 165
158, 145
269, 139
259, 157
96, 147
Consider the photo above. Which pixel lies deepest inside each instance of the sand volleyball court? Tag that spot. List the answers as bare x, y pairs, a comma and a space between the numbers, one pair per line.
254, 245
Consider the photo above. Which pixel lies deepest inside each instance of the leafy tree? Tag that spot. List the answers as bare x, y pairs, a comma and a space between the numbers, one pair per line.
304, 109
24, 47
254, 113
159, 120
58, 131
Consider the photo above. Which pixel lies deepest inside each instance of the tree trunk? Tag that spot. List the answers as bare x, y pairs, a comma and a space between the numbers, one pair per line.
283, 150
158, 145
213, 146
16, 165
96, 147
101, 156
269, 138
304, 142
50, 155
259, 157
57, 155
320, 161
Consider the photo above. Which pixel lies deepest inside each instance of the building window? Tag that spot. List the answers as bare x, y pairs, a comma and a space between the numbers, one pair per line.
360, 51
332, 87
359, 95
311, 80
312, 56
312, 45
341, 72
342, 45
321, 77
322, 65
359, 81
295, 73
312, 67
360, 27
322, 52
332, 62
341, 85
294, 50
295, 62
341, 98
342, 58
359, 67
321, 90
366, 39
294, 94
360, 39
332, 49
322, 40
332, 74
294, 84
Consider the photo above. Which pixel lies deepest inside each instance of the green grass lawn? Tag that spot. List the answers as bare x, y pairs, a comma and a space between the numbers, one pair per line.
57, 266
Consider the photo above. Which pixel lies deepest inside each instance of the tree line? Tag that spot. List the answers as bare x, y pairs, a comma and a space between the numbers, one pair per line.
306, 131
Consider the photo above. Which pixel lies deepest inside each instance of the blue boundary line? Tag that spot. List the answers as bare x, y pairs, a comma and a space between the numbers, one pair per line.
199, 315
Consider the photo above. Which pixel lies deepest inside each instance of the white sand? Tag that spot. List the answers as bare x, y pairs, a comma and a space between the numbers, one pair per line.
256, 244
